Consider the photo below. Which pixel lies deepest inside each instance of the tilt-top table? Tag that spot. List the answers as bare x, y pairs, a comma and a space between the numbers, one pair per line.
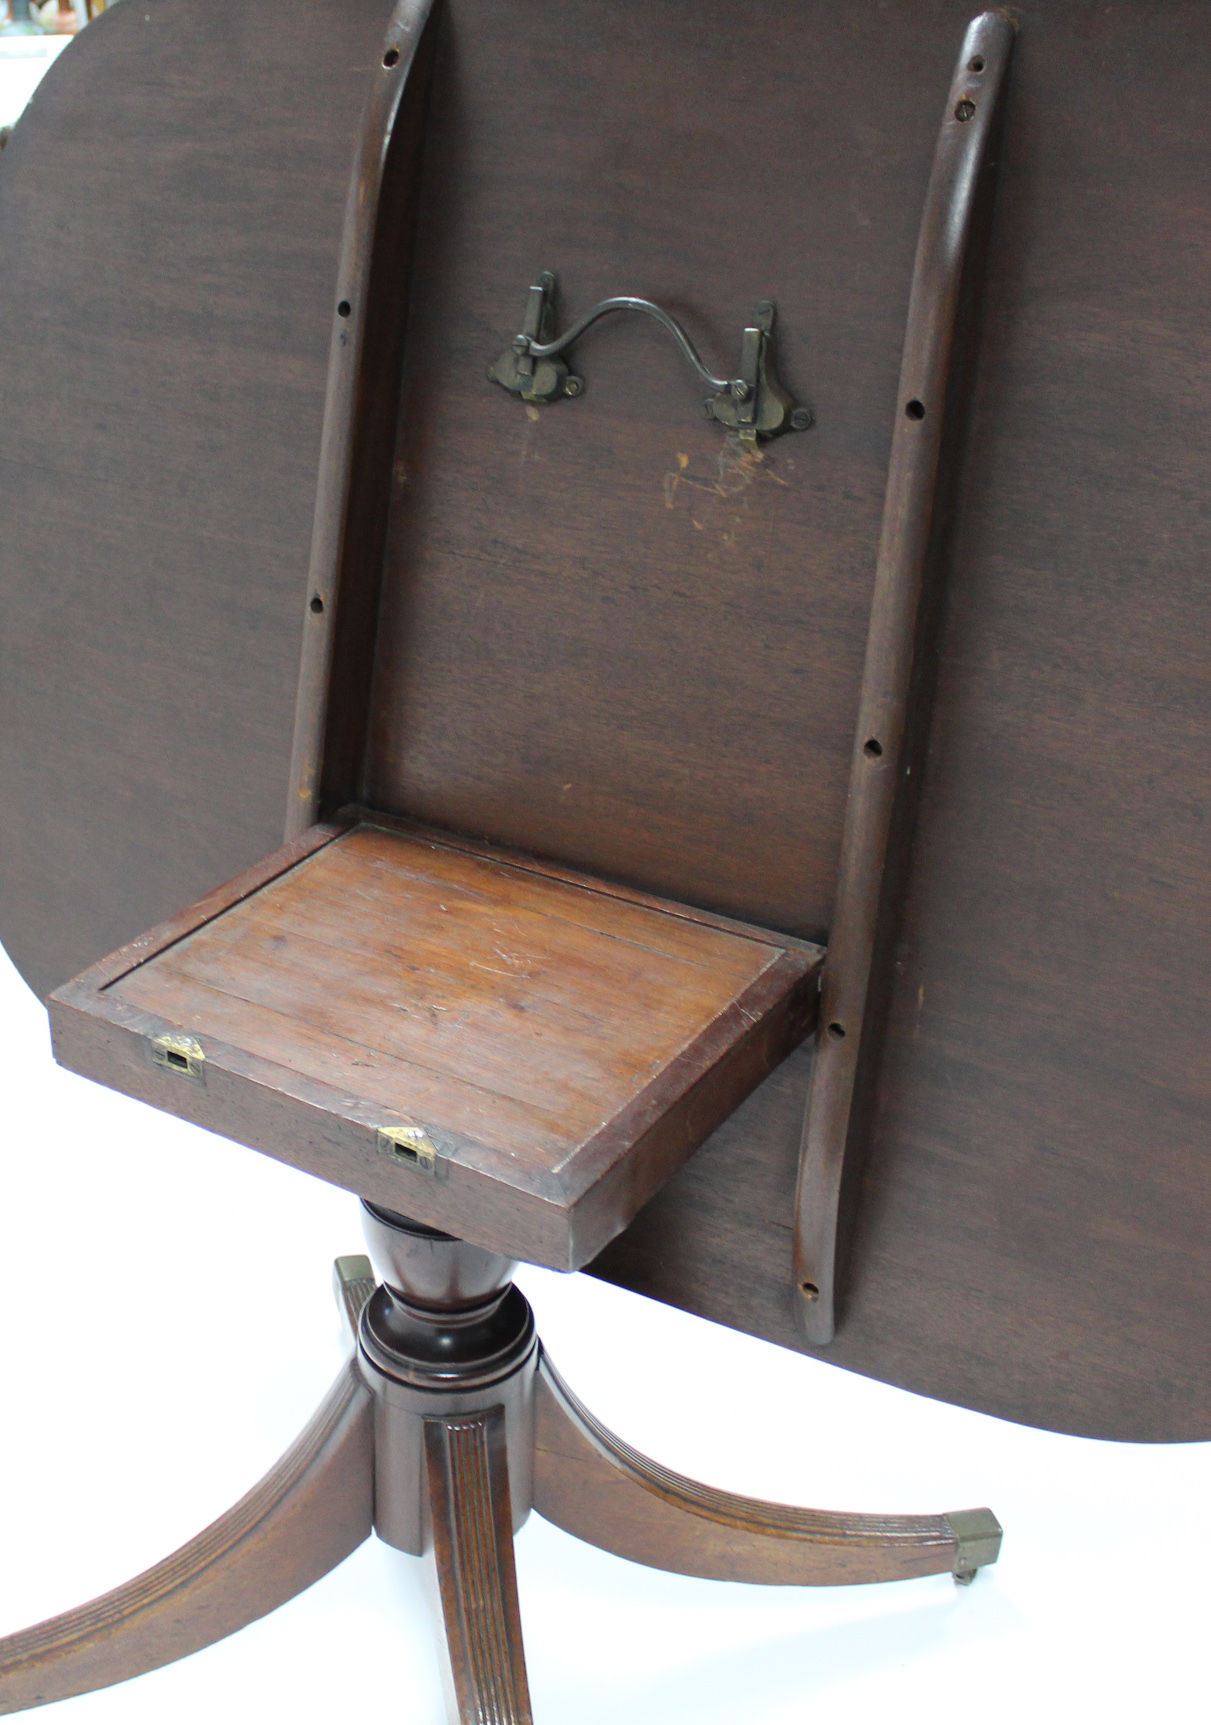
706, 553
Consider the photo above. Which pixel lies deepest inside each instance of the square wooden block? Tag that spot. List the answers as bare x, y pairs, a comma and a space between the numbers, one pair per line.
498, 1047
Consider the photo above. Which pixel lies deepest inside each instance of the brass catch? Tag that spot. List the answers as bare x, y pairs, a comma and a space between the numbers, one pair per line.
752, 405
179, 1053
408, 1147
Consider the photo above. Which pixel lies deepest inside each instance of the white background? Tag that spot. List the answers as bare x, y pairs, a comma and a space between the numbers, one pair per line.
168, 1327
24, 60
146, 1270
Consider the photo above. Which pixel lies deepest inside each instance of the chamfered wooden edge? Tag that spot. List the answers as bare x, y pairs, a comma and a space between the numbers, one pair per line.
307, 1514
560, 1219
361, 405
889, 744
598, 1488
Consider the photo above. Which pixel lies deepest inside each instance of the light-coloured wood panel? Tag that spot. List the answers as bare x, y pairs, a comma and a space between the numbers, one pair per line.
563, 1043
412, 955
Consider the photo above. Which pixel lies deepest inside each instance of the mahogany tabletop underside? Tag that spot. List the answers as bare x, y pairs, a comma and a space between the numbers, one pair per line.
608, 641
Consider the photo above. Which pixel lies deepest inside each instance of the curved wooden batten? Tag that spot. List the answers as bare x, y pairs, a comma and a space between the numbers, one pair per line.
307, 1514
897, 675
593, 1485
368, 325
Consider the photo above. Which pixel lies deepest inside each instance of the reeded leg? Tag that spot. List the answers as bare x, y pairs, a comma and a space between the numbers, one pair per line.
447, 1429
449, 1346
593, 1485
307, 1514
471, 1521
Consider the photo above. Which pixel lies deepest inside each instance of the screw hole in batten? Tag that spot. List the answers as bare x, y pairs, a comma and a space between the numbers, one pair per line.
391, 57
872, 748
915, 409
976, 65
344, 308
317, 604
837, 1031
809, 1290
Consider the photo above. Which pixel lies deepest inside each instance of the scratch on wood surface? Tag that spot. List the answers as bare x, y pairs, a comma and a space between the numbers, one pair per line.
526, 452
736, 470
510, 957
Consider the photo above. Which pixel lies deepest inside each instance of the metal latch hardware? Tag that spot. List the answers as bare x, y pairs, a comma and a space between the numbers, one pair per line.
177, 1053
408, 1147
751, 404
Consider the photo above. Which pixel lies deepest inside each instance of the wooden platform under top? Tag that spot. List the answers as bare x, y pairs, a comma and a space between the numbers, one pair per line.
506, 1050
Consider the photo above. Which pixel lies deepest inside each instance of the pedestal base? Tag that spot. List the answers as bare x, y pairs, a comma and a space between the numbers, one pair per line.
440, 1434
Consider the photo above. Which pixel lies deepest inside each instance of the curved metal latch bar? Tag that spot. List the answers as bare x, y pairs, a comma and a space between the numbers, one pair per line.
752, 404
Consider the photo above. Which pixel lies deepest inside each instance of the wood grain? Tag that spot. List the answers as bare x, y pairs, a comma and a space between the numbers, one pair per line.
927, 447
588, 648
558, 1043
667, 695
1032, 1233
170, 217
467, 1472
307, 1514
593, 1485
368, 320
409, 955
